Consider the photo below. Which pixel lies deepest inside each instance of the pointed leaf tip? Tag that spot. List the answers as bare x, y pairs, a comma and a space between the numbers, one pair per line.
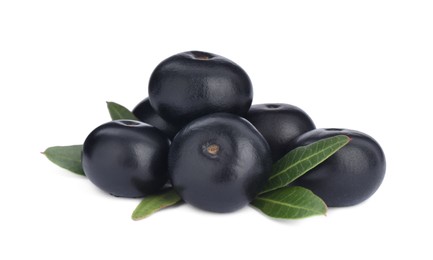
302, 159
290, 203
153, 203
118, 112
67, 157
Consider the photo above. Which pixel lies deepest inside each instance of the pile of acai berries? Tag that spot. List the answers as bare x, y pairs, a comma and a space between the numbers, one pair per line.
198, 133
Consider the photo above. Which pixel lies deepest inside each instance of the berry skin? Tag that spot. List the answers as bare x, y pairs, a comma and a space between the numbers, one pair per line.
280, 124
192, 84
219, 162
145, 113
126, 158
351, 175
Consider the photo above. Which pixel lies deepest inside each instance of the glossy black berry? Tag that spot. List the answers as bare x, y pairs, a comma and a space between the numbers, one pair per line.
126, 158
219, 162
280, 124
351, 175
192, 84
145, 113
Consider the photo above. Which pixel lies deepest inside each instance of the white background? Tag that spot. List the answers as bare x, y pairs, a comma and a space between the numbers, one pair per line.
365, 65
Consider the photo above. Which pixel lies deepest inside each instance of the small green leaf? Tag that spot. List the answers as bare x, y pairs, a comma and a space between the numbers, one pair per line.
290, 203
302, 159
153, 203
67, 157
118, 112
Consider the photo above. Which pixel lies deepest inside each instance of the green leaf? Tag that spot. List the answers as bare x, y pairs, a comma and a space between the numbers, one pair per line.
153, 203
118, 112
302, 159
290, 203
67, 157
